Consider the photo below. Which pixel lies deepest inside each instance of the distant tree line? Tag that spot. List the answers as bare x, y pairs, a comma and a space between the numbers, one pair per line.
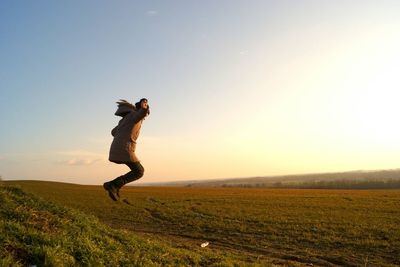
335, 184
379, 179
351, 184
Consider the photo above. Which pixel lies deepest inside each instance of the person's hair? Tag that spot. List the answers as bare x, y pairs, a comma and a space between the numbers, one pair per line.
124, 107
123, 102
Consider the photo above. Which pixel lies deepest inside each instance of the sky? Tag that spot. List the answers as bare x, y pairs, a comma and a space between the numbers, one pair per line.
235, 88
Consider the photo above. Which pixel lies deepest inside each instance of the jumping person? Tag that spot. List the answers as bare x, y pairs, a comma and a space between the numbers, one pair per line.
122, 150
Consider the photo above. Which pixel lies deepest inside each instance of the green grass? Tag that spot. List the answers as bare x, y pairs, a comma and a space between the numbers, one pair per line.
258, 226
38, 232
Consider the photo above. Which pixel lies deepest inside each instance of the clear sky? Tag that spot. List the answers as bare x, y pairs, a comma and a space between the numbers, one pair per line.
236, 88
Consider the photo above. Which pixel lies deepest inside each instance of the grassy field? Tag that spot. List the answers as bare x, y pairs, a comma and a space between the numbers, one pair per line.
34, 232
260, 226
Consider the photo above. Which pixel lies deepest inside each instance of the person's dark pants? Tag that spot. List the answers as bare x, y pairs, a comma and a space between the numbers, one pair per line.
136, 173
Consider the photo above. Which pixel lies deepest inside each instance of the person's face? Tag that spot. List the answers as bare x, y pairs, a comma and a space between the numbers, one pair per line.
144, 104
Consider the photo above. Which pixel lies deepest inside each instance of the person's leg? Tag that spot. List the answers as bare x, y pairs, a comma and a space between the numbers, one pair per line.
113, 186
136, 173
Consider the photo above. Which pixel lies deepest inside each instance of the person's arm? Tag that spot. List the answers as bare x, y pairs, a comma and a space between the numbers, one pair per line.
113, 131
141, 113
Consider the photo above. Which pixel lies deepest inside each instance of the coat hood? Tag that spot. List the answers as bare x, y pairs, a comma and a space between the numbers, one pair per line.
124, 107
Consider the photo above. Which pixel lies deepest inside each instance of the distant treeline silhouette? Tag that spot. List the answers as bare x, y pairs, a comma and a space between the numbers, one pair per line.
377, 179
349, 184
336, 184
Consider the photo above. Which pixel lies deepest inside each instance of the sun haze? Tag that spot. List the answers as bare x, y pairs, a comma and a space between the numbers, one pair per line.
236, 88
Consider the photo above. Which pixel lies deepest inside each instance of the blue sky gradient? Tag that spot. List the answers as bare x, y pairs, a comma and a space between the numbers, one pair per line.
236, 88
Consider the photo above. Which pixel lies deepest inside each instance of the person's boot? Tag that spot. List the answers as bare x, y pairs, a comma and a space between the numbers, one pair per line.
113, 191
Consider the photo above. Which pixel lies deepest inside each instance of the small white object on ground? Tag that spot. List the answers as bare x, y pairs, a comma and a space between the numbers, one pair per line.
205, 244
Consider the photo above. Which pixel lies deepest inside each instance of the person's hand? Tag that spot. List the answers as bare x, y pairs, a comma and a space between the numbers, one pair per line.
144, 104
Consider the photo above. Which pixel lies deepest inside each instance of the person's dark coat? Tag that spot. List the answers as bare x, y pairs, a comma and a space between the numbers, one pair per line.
125, 134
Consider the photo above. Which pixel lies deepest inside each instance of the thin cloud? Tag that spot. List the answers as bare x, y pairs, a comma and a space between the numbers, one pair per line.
244, 52
79, 158
79, 152
78, 162
99, 140
152, 13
